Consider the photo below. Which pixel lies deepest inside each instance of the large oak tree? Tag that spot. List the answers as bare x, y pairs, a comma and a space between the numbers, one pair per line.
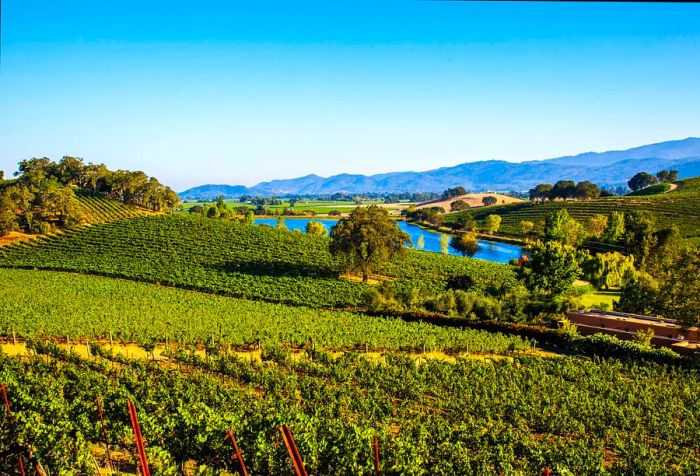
366, 239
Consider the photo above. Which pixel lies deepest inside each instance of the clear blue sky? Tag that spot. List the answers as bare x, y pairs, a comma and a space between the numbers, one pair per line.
221, 92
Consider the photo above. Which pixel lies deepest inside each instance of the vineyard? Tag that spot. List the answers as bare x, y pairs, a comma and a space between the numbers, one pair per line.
254, 331
679, 207
233, 259
96, 209
79, 307
519, 415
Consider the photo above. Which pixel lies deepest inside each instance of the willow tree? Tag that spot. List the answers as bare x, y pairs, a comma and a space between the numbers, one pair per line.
366, 239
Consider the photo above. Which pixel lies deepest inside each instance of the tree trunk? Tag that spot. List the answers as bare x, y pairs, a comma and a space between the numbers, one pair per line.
365, 276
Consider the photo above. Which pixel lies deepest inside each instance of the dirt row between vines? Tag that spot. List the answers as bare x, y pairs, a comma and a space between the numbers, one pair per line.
133, 351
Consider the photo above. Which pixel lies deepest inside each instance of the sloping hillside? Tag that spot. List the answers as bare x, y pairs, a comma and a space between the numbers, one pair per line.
231, 258
96, 209
680, 207
473, 199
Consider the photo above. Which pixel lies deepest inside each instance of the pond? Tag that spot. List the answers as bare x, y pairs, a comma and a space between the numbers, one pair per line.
488, 250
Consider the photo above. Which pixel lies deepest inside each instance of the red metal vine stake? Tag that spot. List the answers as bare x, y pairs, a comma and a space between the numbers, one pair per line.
299, 468
375, 445
238, 455
139, 439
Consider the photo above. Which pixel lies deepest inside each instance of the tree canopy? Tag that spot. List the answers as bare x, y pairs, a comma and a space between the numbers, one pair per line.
586, 189
541, 192
552, 268
366, 239
453, 192
489, 200
315, 228
492, 224
44, 194
559, 226
641, 180
465, 243
458, 205
666, 176
563, 189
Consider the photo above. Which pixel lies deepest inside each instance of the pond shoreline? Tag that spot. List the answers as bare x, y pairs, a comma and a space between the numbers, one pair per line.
491, 248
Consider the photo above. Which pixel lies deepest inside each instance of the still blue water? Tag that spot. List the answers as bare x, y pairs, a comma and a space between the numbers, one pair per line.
488, 250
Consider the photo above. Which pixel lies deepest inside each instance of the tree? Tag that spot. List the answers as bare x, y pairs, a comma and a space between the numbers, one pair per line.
673, 293
465, 243
639, 236
2, 175
367, 239
559, 226
420, 243
8, 218
615, 229
281, 225
639, 295
541, 192
597, 224
552, 268
458, 205
221, 203
249, 217
526, 227
489, 200
70, 170
609, 270
453, 192
680, 289
641, 180
466, 221
444, 244
666, 176
492, 224
586, 190
213, 212
315, 228
563, 189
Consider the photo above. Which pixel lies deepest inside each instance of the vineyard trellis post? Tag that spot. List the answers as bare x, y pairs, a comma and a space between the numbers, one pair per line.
238, 455
139, 439
104, 430
299, 468
375, 446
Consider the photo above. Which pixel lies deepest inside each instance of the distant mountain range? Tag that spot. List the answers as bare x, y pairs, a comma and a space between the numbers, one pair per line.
608, 169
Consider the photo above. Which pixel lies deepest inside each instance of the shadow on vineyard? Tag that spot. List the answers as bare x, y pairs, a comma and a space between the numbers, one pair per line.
276, 268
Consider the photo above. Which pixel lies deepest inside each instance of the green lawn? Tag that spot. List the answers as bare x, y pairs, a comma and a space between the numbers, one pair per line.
594, 299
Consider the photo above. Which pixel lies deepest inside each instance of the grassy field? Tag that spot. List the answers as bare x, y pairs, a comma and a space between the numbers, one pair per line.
595, 299
679, 207
319, 207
